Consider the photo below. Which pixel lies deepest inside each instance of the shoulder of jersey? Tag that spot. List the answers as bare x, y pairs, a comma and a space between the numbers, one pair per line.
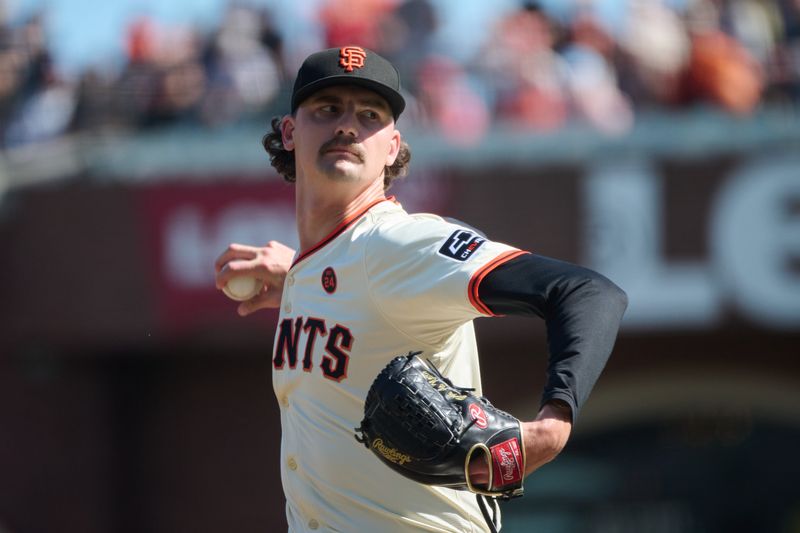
412, 237
402, 227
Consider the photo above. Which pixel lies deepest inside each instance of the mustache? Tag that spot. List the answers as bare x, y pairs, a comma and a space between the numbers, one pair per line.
337, 143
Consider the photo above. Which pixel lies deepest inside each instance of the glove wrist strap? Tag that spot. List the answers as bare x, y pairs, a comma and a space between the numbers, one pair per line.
493, 520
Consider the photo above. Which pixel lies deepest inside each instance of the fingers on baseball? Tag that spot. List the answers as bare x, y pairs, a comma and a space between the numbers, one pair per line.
264, 300
232, 269
233, 252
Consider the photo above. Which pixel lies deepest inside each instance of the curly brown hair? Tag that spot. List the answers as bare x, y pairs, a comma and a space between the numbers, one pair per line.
283, 160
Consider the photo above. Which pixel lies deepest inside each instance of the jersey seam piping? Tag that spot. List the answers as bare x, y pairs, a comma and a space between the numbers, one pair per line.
475, 281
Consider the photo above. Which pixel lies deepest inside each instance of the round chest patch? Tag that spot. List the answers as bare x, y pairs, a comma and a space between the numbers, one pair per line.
478, 415
329, 280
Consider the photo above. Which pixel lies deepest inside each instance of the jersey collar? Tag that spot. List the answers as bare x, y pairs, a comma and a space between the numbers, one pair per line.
338, 230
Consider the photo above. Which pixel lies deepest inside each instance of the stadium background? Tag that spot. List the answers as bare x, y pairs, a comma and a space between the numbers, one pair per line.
656, 141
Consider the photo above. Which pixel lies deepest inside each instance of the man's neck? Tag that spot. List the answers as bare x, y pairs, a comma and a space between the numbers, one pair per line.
320, 212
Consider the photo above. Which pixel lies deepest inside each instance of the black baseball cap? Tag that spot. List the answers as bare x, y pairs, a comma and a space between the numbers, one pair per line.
349, 65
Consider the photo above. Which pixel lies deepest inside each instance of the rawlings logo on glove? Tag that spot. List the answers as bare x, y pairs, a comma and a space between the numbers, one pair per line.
390, 454
421, 425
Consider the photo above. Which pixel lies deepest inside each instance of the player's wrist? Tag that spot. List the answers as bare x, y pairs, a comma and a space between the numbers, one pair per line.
558, 409
546, 436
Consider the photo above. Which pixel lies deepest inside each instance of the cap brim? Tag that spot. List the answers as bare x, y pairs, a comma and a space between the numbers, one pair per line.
396, 101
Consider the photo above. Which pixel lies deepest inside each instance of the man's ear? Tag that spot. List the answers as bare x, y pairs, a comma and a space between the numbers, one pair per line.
394, 148
287, 132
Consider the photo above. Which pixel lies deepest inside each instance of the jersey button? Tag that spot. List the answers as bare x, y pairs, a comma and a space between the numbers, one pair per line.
290, 280
287, 308
313, 524
292, 463
285, 401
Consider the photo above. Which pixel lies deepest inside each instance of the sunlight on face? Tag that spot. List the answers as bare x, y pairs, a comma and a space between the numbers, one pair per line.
344, 133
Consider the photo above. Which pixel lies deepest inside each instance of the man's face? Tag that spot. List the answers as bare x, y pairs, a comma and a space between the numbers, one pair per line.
344, 133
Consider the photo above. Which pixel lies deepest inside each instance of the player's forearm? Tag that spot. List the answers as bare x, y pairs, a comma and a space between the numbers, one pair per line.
581, 331
582, 311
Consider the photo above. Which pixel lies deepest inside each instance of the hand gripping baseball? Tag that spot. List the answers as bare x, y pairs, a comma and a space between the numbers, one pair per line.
267, 264
425, 428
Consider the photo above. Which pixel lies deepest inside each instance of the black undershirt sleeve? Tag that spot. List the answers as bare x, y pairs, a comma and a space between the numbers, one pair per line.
582, 311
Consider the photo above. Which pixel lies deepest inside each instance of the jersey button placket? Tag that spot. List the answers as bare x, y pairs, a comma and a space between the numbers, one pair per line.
287, 307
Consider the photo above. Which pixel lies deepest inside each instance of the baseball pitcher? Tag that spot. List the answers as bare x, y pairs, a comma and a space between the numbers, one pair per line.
379, 303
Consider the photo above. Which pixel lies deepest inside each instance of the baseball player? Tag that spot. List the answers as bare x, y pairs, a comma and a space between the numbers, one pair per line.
370, 282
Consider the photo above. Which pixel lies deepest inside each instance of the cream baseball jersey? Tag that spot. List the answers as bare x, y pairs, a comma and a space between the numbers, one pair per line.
381, 284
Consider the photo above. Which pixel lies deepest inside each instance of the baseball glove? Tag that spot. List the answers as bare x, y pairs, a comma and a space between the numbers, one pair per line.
427, 429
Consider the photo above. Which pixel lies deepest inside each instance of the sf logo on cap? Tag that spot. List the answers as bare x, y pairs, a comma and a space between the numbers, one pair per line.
351, 57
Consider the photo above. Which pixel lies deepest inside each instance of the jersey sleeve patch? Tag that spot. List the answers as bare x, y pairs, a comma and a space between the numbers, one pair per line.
461, 245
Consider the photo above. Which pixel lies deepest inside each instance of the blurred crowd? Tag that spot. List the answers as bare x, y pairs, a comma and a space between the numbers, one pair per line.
535, 68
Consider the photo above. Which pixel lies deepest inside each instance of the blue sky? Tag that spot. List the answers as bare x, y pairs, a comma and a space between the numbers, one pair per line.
86, 32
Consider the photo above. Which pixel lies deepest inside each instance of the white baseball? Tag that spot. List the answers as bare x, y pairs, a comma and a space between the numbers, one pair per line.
242, 288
